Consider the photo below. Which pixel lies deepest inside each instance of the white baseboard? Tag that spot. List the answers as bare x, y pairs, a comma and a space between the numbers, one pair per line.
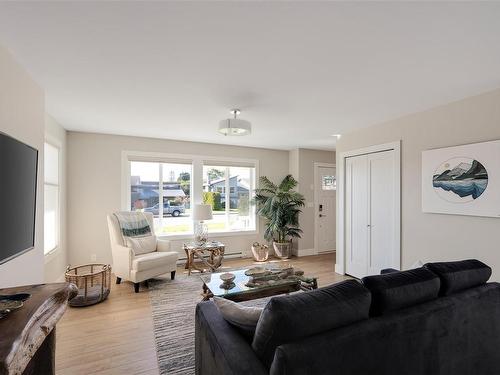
339, 269
305, 252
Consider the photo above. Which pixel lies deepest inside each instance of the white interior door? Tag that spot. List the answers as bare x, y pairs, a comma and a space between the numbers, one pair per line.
325, 186
356, 172
371, 213
382, 211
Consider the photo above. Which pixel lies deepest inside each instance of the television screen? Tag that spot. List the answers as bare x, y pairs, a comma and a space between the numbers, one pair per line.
18, 171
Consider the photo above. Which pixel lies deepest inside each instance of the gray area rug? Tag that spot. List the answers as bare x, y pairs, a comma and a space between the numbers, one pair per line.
173, 303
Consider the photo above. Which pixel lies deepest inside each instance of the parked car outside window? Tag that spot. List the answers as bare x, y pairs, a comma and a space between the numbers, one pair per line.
168, 209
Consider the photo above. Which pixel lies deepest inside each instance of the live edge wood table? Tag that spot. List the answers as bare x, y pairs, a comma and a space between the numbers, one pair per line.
210, 254
27, 335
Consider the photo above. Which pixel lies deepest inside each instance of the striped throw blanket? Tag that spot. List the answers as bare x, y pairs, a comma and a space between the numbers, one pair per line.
133, 224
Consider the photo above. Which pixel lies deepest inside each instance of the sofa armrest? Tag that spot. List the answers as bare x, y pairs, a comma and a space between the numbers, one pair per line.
219, 348
162, 245
122, 260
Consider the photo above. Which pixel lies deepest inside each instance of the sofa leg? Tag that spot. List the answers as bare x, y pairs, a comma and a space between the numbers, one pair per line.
136, 287
146, 283
118, 280
172, 275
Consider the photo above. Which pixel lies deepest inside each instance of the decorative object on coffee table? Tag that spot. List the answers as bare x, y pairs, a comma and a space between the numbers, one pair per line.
280, 205
271, 283
209, 254
260, 252
227, 280
201, 213
27, 335
93, 282
257, 271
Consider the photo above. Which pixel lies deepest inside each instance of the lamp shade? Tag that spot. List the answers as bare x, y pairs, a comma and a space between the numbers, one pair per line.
202, 212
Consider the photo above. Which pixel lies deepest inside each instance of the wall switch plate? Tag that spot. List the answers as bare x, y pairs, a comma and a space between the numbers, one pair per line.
93, 257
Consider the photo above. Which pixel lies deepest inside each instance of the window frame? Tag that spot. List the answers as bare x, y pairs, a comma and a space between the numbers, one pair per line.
55, 144
197, 162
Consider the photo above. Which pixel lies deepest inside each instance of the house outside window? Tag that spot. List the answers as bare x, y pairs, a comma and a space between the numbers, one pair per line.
233, 211
179, 184
153, 182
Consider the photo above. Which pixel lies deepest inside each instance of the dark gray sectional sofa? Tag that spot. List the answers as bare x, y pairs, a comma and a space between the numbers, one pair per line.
443, 318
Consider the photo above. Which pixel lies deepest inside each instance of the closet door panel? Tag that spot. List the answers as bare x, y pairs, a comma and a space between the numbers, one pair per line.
382, 210
357, 216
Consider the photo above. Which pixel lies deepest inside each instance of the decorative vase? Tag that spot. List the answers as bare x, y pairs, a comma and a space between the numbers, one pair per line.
200, 233
260, 252
283, 250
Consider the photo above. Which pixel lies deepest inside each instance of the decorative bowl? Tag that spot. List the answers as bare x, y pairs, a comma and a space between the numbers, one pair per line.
227, 278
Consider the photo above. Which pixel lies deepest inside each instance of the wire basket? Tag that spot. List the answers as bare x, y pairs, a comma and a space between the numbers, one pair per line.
93, 282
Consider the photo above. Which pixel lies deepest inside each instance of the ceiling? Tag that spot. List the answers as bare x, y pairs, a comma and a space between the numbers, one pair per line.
299, 71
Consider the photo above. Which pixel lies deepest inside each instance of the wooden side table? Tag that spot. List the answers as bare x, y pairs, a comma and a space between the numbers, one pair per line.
210, 254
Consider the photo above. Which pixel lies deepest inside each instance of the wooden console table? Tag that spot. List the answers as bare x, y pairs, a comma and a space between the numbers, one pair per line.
27, 335
210, 254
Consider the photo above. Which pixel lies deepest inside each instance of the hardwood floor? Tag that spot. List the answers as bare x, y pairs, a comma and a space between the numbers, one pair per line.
116, 336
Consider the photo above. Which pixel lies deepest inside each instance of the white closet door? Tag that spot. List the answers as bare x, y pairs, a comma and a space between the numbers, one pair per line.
382, 211
371, 213
357, 234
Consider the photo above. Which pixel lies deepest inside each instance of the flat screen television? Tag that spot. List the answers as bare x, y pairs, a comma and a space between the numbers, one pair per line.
18, 177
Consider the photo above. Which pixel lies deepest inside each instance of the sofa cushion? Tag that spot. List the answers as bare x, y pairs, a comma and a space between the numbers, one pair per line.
245, 318
292, 317
153, 260
396, 290
457, 276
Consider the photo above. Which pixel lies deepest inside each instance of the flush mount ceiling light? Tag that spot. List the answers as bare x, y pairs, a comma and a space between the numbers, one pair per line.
235, 126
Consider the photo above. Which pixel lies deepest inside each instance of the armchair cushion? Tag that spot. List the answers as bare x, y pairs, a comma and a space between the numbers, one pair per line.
141, 245
156, 259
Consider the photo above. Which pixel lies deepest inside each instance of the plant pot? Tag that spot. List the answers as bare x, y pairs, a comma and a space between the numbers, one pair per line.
283, 250
260, 252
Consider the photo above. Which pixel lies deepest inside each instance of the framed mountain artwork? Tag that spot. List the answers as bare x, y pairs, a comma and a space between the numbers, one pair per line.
462, 180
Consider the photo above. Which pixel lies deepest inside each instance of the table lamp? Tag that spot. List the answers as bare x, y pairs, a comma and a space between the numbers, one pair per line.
201, 213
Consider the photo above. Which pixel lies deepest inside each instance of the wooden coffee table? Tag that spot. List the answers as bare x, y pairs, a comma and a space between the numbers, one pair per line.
240, 292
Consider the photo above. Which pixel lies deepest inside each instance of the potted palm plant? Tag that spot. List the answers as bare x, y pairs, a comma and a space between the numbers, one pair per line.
280, 205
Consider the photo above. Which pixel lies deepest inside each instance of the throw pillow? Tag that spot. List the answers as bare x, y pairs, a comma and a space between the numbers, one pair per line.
141, 245
243, 317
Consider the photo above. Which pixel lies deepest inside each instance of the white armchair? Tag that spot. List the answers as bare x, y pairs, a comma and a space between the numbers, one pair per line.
141, 267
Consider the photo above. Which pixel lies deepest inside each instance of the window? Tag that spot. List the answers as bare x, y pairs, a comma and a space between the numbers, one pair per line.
170, 183
174, 182
233, 211
51, 198
328, 183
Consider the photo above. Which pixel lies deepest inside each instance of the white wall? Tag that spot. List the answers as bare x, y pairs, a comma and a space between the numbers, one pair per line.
94, 186
56, 261
22, 116
435, 237
302, 168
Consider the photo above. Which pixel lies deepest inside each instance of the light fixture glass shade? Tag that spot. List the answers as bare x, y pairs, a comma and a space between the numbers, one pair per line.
235, 126
202, 212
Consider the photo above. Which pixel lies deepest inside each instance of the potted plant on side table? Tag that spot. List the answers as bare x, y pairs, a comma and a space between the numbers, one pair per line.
280, 206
